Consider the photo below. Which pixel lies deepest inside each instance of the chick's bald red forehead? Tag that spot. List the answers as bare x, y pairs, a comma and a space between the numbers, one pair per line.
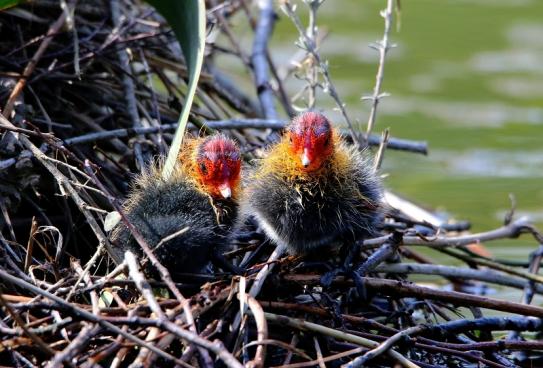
219, 147
310, 122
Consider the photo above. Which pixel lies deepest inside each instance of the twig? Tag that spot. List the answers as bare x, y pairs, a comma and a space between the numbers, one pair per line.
512, 230
262, 328
260, 278
489, 323
29, 69
81, 341
374, 140
260, 64
494, 265
327, 359
64, 183
381, 151
35, 338
84, 314
308, 45
309, 326
402, 288
456, 272
378, 257
382, 47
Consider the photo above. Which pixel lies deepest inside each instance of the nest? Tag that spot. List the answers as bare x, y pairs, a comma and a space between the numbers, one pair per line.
89, 98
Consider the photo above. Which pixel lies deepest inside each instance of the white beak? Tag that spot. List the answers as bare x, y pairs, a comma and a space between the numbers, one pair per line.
305, 158
225, 190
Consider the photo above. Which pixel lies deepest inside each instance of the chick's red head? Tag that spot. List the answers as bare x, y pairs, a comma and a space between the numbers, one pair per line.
218, 164
310, 139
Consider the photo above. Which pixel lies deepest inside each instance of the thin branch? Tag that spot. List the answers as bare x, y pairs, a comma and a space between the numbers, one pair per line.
382, 46
374, 140
263, 33
29, 69
309, 326
403, 288
457, 272
307, 44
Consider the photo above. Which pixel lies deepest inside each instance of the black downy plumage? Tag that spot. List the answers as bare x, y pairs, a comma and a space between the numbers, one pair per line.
188, 204
313, 190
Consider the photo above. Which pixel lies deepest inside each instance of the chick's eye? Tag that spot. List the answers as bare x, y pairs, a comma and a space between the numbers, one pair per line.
203, 168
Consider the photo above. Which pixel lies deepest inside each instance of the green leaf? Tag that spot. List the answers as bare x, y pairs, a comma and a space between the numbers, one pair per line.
188, 21
5, 4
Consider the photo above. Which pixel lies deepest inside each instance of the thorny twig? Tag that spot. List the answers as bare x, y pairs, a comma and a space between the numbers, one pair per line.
382, 46
309, 45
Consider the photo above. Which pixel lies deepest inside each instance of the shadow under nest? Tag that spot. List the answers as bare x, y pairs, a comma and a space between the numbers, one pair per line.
87, 85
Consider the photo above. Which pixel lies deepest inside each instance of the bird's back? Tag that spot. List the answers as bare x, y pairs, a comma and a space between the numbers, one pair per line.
159, 208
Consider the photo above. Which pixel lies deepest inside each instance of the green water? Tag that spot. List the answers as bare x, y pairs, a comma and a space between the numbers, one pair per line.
467, 76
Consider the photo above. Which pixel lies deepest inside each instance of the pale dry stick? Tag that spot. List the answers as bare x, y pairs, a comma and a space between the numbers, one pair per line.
259, 280
87, 332
262, 332
263, 32
309, 46
329, 358
127, 82
382, 348
163, 322
147, 292
94, 295
337, 334
281, 344
223, 24
381, 151
511, 230
30, 245
318, 350
70, 25
29, 69
488, 323
75, 347
293, 342
382, 47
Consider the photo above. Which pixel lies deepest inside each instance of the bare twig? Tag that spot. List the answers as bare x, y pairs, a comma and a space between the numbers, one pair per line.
382, 47
402, 288
307, 44
374, 140
260, 64
29, 69
304, 325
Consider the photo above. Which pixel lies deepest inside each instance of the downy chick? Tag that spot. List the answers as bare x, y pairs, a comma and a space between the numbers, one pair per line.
313, 190
198, 203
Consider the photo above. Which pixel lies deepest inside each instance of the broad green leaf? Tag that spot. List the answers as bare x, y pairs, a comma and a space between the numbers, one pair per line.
5, 4
188, 21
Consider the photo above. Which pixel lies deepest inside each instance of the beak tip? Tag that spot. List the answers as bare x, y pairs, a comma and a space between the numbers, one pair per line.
226, 192
305, 161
